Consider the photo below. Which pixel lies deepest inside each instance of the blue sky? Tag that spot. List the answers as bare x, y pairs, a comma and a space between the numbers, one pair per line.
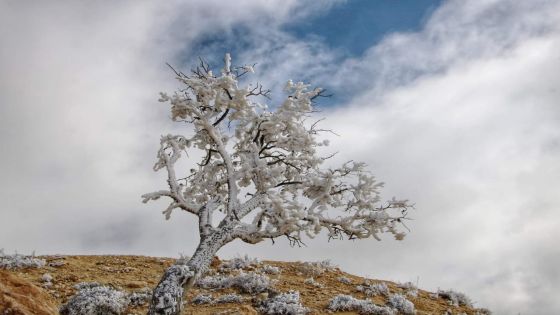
453, 104
356, 25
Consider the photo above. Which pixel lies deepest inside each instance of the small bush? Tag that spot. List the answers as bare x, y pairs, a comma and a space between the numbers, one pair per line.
402, 304
239, 263
343, 302
311, 281
272, 270
283, 304
18, 261
455, 298
252, 283
373, 289
410, 288
245, 282
314, 269
95, 299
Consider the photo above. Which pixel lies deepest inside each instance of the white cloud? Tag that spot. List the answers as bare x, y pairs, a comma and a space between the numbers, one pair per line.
461, 117
473, 140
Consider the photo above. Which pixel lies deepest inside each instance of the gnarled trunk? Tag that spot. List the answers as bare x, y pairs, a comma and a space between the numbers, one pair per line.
167, 298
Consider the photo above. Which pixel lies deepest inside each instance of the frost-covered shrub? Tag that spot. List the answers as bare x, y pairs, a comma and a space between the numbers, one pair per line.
317, 268
311, 281
46, 279
252, 283
214, 282
238, 263
245, 282
271, 270
283, 304
202, 299
372, 289
345, 280
229, 298
410, 288
343, 302
139, 298
17, 261
402, 304
95, 299
455, 298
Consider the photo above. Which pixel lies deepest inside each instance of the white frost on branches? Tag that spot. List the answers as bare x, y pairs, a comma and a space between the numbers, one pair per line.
237, 263
283, 304
260, 176
261, 168
93, 298
373, 289
343, 302
245, 282
455, 298
18, 261
402, 304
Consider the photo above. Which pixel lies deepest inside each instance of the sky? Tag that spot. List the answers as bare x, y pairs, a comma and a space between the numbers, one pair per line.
453, 104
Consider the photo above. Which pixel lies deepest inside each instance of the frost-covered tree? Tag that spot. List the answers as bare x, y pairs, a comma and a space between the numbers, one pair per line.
260, 176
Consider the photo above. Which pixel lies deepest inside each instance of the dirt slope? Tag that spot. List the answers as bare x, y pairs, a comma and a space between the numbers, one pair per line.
133, 273
20, 297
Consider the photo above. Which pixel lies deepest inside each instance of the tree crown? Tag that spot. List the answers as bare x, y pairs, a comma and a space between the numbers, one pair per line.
260, 168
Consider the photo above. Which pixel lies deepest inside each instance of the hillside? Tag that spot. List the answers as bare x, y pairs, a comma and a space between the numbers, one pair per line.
42, 289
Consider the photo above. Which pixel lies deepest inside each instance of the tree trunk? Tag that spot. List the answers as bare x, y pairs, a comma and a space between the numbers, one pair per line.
167, 298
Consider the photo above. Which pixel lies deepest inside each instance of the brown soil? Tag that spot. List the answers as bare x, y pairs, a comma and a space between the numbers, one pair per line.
132, 273
20, 297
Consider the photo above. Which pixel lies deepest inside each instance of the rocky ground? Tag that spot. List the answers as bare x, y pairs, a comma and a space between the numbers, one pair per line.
42, 290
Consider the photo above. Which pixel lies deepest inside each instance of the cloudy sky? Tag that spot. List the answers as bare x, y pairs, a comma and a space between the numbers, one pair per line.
454, 104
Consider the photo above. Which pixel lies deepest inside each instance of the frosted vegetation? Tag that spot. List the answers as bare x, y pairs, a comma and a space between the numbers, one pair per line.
401, 304
455, 298
397, 304
283, 304
93, 298
271, 270
244, 282
410, 288
314, 269
260, 176
343, 302
18, 261
312, 282
372, 289
238, 263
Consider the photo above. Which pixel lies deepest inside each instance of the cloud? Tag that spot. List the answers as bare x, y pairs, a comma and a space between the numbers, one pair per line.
461, 117
79, 118
472, 138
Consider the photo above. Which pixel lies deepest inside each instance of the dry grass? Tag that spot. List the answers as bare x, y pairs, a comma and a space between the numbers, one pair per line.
133, 273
